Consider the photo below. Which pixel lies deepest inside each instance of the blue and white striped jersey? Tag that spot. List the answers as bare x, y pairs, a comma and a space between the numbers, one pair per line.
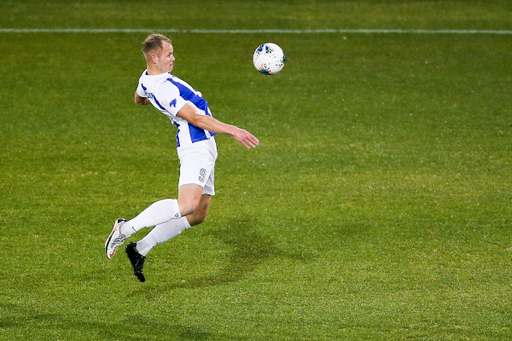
169, 94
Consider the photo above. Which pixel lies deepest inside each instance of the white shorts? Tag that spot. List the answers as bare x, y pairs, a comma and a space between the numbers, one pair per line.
197, 165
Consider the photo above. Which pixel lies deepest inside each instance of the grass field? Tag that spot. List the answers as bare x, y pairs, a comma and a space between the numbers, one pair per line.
377, 206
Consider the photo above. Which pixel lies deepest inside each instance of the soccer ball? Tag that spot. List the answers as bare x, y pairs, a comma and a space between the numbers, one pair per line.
268, 58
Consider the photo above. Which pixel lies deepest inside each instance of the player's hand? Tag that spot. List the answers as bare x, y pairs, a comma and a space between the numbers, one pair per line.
246, 138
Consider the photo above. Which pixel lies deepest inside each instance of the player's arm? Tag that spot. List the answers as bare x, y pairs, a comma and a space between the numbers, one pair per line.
141, 100
188, 112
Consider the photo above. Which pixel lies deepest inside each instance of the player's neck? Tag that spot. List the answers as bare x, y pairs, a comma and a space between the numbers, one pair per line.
154, 71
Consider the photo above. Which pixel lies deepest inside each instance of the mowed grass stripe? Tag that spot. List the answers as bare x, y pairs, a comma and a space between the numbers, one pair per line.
206, 31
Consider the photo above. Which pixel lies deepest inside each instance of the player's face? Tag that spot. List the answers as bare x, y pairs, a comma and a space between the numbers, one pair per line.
165, 61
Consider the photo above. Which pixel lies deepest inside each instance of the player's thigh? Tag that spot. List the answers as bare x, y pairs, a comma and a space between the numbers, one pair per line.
189, 198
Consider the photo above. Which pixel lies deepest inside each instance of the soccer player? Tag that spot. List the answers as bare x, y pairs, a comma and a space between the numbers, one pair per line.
197, 152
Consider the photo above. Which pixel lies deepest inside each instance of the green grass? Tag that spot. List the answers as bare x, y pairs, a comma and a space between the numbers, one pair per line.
377, 206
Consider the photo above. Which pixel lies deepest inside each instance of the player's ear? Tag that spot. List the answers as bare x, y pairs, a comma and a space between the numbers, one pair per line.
153, 58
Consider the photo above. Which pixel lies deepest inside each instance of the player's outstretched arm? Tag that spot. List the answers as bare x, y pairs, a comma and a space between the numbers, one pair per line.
245, 138
188, 112
141, 100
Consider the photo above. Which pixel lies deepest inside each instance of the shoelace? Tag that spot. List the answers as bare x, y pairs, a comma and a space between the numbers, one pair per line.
119, 240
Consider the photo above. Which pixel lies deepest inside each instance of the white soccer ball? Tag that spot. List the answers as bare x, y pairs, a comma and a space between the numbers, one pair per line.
268, 58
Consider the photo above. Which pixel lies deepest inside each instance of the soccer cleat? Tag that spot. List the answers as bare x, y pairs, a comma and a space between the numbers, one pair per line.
137, 261
115, 239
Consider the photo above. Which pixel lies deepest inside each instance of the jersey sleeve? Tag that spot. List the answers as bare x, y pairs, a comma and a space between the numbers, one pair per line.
140, 91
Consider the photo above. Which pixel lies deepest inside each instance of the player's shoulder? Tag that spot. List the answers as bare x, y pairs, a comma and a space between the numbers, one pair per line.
168, 81
143, 76
172, 79
162, 86
182, 85
154, 81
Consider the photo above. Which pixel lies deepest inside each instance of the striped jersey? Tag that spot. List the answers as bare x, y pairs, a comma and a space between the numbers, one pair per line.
169, 94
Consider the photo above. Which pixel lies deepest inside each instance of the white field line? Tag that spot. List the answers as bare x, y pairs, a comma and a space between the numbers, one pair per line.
201, 31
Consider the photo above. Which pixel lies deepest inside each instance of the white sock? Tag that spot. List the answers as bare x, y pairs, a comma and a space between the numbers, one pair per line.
156, 214
162, 233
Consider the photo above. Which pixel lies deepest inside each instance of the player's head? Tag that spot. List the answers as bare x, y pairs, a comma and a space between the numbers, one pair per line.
159, 52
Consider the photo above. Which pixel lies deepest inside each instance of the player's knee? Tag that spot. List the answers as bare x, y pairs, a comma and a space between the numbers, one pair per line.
188, 207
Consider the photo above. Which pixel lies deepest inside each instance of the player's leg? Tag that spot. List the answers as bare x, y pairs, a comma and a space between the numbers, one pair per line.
201, 211
168, 230
196, 186
203, 202
137, 252
196, 178
157, 213
190, 197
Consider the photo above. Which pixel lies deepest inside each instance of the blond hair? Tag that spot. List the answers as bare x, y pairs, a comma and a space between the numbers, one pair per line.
153, 43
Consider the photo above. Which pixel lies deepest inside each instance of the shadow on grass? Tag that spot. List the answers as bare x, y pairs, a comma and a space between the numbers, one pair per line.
27, 324
250, 249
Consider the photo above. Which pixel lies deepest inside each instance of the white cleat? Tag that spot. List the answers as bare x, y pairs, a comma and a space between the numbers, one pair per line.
115, 239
